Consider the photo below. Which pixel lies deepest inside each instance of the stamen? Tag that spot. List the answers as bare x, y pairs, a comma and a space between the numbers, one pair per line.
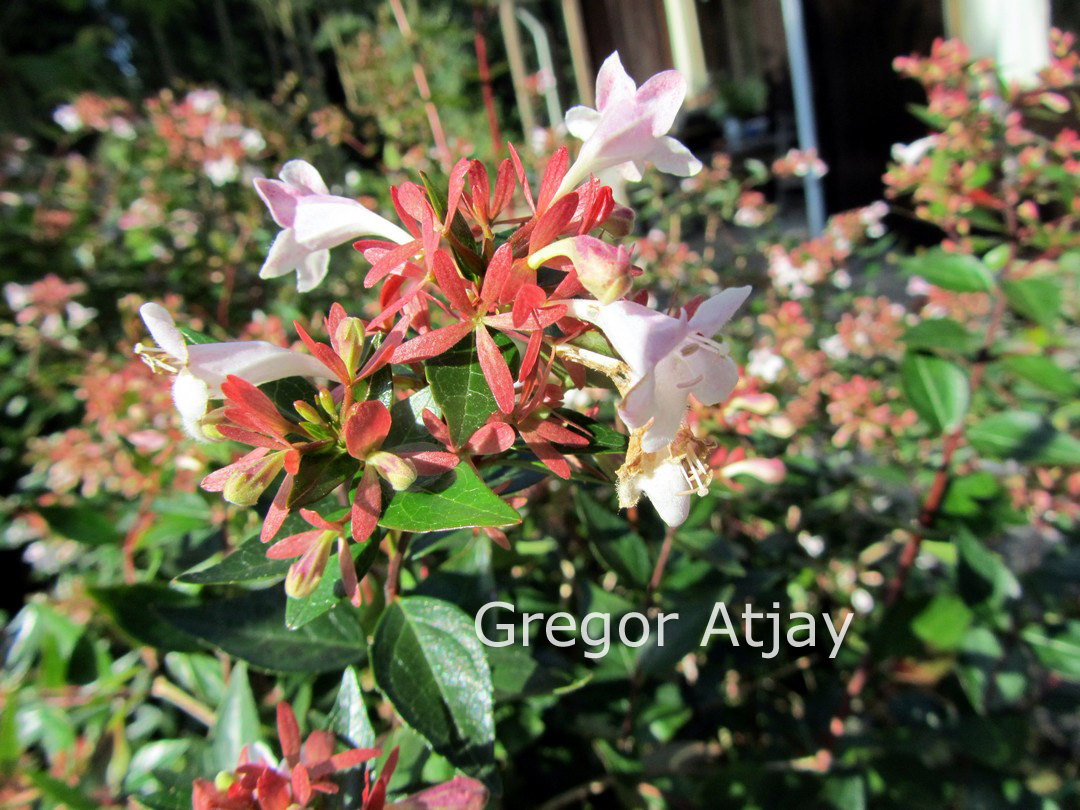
155, 359
696, 474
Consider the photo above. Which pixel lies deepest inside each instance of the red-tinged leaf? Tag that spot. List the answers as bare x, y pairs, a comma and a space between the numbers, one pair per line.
367, 506
529, 299
409, 222
272, 791
522, 178
248, 437
430, 344
452, 284
496, 372
455, 186
504, 188
333, 318
387, 348
553, 222
390, 261
348, 573
479, 191
292, 546
323, 353
532, 351
277, 512
350, 759
315, 519
366, 425
553, 175
491, 439
554, 432
414, 200
215, 481
430, 238
431, 462
436, 427
543, 318
288, 733
301, 784
598, 210
244, 395
545, 451
498, 271
569, 287
319, 746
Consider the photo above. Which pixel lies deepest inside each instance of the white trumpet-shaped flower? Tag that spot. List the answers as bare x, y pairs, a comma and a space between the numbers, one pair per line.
669, 359
668, 478
201, 368
313, 220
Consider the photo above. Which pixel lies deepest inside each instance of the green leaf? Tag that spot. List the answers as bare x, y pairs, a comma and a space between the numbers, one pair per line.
1038, 299
612, 541
459, 387
248, 563
236, 724
84, 523
132, 608
982, 575
407, 424
602, 438
936, 388
515, 674
328, 594
943, 623
950, 271
941, 334
193, 337
284, 392
1024, 436
966, 494
349, 717
1058, 651
252, 627
61, 792
1044, 373
432, 667
457, 500
318, 476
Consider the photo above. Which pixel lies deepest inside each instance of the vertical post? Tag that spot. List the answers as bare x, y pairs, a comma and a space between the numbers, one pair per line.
579, 51
799, 65
508, 23
547, 67
687, 52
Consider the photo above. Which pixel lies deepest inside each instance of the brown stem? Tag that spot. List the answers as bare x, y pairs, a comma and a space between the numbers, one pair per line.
480, 44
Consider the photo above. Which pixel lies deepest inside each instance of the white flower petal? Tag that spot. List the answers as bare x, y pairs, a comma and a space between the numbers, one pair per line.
581, 121
191, 396
256, 361
669, 155
304, 177
163, 329
719, 376
711, 316
666, 488
325, 221
286, 255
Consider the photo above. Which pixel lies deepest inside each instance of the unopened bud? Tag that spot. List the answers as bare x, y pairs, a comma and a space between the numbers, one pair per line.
308, 412
208, 424
305, 573
349, 343
246, 485
620, 221
398, 472
326, 402
602, 268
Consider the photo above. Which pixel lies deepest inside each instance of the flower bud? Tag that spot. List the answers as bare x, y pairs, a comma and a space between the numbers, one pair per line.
398, 472
305, 573
349, 343
308, 412
602, 268
326, 402
208, 425
620, 221
244, 486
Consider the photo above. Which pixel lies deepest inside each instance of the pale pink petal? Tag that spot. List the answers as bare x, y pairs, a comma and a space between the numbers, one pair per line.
666, 489
324, 221
312, 270
280, 198
613, 85
304, 177
660, 98
254, 361
670, 156
286, 254
717, 311
163, 330
581, 122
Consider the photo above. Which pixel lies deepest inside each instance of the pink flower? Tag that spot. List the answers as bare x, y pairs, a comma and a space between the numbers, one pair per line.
669, 359
629, 126
313, 221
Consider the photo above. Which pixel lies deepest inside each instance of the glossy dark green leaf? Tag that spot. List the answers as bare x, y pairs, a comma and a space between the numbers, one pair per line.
937, 390
407, 425
318, 476
612, 541
950, 271
1038, 299
515, 674
61, 792
251, 627
602, 437
132, 608
1058, 650
284, 392
457, 500
193, 337
943, 622
1044, 373
458, 385
981, 575
236, 723
1024, 436
248, 563
941, 334
349, 717
84, 522
432, 667
330, 593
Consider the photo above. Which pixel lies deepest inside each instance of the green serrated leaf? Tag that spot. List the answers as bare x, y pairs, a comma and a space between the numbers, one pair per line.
458, 385
1044, 373
252, 628
1038, 299
460, 499
1024, 436
236, 724
950, 271
936, 388
432, 667
349, 717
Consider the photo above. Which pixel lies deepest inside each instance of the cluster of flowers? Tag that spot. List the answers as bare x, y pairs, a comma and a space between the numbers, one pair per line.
959, 178
465, 269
